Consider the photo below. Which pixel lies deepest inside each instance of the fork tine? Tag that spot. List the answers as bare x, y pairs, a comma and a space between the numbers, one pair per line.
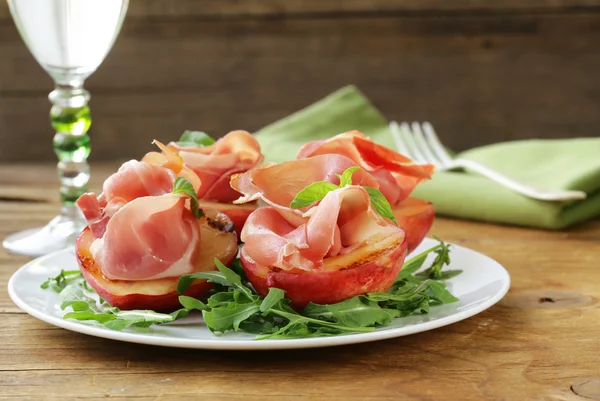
423, 145
414, 151
435, 144
398, 140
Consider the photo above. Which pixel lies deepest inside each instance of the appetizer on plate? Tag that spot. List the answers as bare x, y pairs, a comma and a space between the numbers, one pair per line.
320, 238
396, 174
335, 223
146, 230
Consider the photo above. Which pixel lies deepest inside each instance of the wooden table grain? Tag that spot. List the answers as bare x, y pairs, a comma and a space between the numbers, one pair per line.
540, 342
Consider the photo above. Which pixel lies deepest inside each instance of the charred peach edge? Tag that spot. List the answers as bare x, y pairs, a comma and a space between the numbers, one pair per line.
237, 213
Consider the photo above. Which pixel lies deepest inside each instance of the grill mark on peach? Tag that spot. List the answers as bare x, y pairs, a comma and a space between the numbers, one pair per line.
226, 227
369, 258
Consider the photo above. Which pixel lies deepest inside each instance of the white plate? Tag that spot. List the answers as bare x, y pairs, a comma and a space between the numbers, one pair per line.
482, 283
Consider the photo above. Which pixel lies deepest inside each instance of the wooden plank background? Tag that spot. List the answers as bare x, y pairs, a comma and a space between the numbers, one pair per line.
481, 71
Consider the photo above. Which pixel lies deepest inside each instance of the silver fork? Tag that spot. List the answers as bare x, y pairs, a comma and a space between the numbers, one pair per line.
420, 143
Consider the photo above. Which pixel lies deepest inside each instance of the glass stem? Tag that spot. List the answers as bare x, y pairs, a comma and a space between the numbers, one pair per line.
71, 119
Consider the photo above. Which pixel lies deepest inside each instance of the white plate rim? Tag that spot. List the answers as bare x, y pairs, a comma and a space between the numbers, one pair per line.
217, 344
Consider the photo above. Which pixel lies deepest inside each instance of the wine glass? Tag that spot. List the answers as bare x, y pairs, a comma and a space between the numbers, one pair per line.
69, 39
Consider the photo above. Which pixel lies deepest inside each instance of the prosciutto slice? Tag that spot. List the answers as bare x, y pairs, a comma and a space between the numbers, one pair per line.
343, 221
135, 179
278, 184
134, 245
170, 159
288, 239
142, 231
397, 174
236, 152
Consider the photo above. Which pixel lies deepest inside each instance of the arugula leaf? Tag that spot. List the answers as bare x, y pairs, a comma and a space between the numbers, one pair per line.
259, 324
195, 138
221, 298
183, 186
190, 303
346, 177
230, 316
90, 315
226, 277
358, 312
58, 283
380, 204
435, 272
86, 308
413, 264
75, 297
312, 193
440, 293
237, 268
301, 326
179, 313
273, 297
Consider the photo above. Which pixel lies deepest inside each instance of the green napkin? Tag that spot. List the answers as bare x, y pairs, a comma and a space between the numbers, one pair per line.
554, 164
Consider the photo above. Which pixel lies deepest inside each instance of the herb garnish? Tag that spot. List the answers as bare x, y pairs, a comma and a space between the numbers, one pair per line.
318, 190
195, 138
183, 186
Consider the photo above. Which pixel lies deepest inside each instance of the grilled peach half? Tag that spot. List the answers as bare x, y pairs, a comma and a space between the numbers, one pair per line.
371, 268
218, 240
237, 213
415, 216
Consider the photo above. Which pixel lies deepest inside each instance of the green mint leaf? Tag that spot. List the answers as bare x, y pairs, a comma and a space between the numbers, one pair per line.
183, 186
273, 297
312, 193
380, 204
190, 303
195, 138
346, 177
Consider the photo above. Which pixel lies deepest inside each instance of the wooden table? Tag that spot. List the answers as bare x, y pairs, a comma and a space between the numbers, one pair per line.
542, 341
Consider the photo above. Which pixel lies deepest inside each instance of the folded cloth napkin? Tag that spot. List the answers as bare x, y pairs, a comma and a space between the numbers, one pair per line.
553, 164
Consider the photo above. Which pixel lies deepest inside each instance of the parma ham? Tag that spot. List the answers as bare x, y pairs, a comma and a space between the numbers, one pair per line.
397, 174
300, 239
236, 152
134, 218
